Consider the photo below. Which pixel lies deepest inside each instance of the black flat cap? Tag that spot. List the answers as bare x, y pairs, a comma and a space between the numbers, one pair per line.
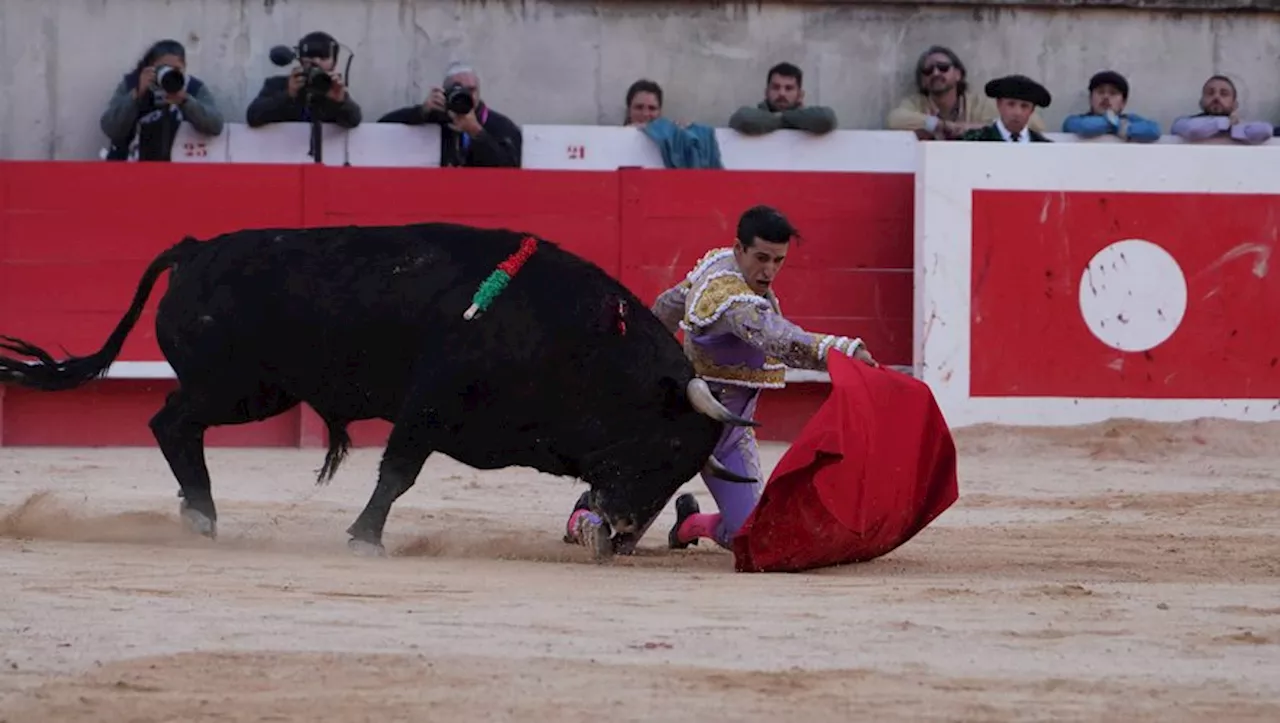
1019, 87
1110, 77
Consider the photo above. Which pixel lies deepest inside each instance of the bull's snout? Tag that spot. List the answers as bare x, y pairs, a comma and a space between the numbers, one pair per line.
623, 520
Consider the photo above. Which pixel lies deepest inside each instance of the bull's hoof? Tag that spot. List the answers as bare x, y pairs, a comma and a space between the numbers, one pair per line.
599, 539
363, 548
197, 522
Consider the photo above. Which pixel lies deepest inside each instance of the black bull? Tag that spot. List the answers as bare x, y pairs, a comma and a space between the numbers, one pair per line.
568, 372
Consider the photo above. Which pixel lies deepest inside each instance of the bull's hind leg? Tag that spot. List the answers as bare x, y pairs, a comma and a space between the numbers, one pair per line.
181, 439
179, 429
407, 450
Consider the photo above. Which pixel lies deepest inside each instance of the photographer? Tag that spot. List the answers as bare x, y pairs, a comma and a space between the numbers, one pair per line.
293, 98
152, 101
472, 133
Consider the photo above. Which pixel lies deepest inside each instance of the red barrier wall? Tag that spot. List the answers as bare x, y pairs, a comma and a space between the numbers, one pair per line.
75, 237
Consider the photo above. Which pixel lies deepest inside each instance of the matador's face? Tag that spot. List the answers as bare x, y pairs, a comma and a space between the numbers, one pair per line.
760, 263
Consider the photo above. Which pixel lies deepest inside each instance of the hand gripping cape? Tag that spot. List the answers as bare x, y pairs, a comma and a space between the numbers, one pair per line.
873, 467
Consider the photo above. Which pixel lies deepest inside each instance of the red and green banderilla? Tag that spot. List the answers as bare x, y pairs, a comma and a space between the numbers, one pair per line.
491, 287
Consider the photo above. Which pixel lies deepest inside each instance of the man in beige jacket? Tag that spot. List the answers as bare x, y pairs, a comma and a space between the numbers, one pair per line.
945, 106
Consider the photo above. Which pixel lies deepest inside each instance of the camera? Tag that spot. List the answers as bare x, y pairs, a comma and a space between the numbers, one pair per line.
457, 98
315, 80
169, 79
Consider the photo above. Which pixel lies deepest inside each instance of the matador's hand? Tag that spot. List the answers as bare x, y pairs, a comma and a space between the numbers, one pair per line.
860, 352
851, 347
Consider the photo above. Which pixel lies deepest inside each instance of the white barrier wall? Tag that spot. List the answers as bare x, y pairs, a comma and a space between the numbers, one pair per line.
569, 148
576, 148
1062, 284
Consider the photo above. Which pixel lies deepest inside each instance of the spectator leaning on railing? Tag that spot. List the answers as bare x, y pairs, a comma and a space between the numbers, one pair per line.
783, 107
152, 101
1108, 96
1220, 113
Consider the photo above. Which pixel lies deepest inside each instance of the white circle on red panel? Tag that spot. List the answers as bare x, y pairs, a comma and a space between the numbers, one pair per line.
1133, 295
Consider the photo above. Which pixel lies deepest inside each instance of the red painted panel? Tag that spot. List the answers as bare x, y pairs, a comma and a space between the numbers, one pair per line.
847, 220
853, 264
888, 339
369, 433
1030, 338
76, 237
80, 211
576, 209
852, 293
105, 285
784, 412
81, 332
116, 413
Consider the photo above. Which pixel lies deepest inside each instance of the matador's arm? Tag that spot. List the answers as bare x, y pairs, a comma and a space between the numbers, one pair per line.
770, 332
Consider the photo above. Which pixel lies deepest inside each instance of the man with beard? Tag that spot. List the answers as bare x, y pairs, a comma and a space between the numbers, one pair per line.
944, 105
1220, 113
783, 107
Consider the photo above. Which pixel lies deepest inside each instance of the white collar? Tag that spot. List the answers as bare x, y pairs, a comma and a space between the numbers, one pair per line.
1024, 137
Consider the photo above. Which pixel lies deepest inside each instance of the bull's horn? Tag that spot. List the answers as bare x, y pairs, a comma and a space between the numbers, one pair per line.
704, 401
714, 468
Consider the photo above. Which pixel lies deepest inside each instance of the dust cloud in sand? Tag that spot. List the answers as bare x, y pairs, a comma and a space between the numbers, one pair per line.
1121, 571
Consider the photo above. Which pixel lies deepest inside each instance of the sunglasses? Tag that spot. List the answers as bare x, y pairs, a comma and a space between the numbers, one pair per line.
940, 67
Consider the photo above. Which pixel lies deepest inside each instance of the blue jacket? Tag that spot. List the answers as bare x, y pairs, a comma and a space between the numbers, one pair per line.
692, 147
1092, 125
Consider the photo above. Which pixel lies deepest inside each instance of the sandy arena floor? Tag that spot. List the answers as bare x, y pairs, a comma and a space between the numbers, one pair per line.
1123, 572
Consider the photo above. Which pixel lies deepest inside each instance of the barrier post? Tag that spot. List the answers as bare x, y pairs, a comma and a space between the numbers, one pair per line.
311, 429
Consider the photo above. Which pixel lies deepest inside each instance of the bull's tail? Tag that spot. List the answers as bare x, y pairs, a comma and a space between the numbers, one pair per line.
339, 445
49, 374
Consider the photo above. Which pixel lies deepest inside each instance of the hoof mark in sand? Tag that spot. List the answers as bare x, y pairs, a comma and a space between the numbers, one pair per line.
1059, 591
1247, 610
1247, 637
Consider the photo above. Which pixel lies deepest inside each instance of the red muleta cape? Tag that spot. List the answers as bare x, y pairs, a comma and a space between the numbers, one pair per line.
873, 467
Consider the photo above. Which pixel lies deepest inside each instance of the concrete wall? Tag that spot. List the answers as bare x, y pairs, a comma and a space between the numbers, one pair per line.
564, 62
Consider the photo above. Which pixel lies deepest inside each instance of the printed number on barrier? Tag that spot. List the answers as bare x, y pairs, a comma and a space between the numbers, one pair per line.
577, 153
195, 149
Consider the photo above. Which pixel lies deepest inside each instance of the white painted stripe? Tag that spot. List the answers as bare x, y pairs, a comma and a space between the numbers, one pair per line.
162, 370
140, 370
807, 376
1063, 411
